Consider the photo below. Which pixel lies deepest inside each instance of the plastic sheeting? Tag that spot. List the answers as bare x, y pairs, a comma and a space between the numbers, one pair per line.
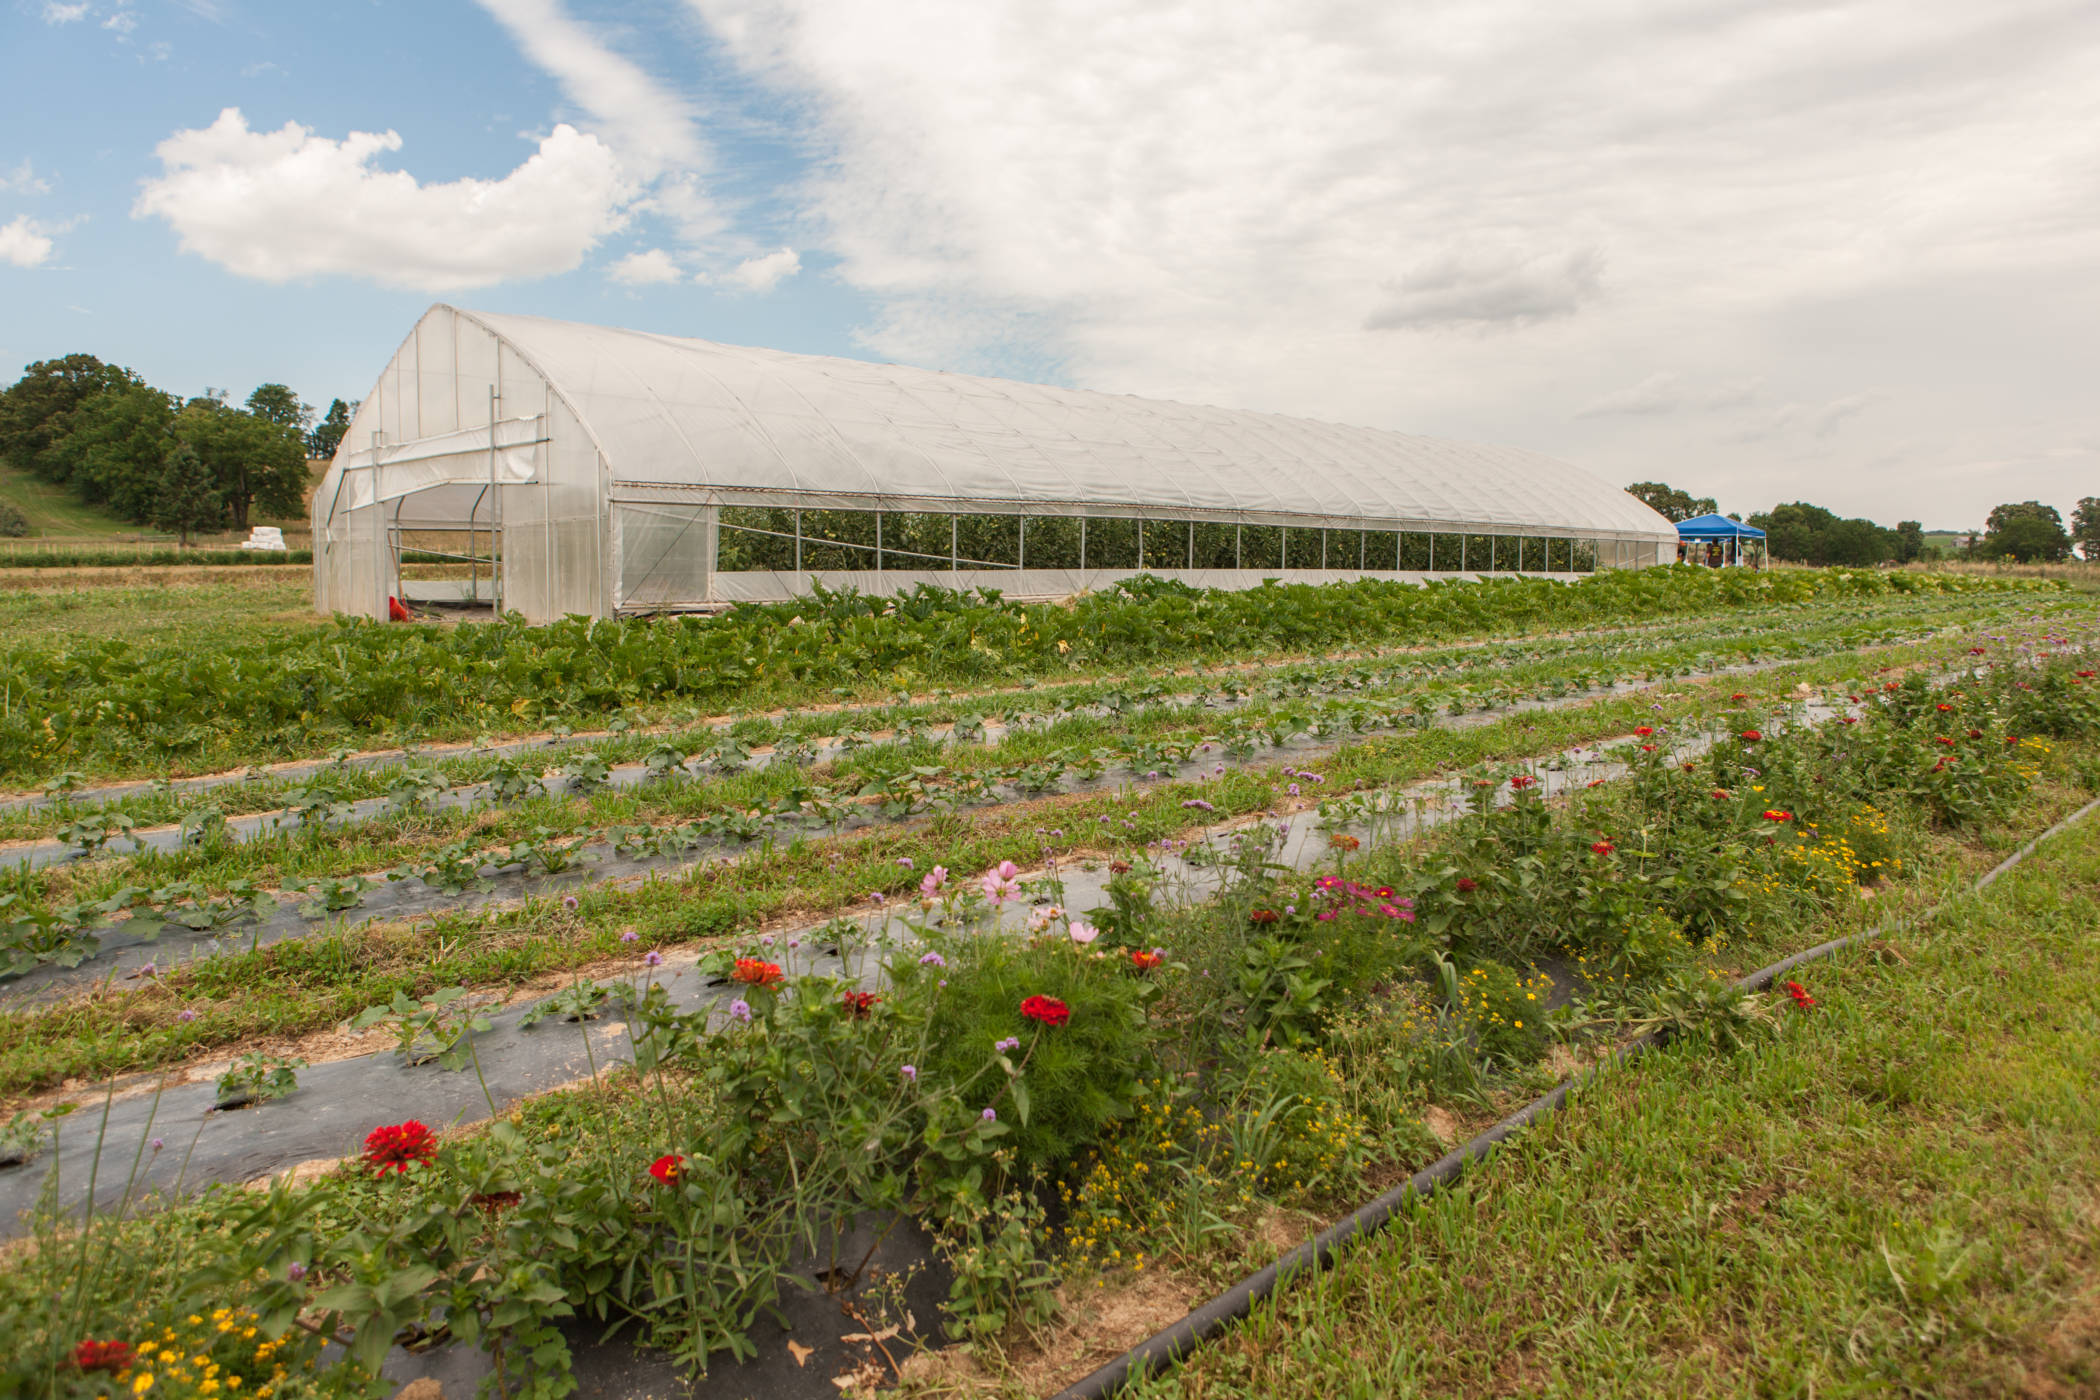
766, 427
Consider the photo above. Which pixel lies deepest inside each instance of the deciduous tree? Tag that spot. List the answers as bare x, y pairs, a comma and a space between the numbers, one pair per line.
1669, 502
2027, 531
188, 499
254, 463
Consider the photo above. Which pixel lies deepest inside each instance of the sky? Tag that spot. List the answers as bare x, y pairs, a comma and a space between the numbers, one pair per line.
1843, 251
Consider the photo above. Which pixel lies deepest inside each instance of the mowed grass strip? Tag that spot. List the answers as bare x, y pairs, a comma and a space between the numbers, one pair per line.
1898, 1195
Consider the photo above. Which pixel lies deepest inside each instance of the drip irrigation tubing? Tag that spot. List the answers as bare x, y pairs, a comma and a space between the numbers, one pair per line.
1164, 1349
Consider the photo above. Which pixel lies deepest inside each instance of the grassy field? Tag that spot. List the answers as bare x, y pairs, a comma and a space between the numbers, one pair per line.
54, 510
55, 513
1897, 1196
194, 606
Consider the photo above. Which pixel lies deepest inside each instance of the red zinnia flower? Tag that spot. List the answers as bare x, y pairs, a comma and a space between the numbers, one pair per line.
2085, 675
1144, 961
1343, 842
1602, 848
1975, 651
102, 1356
1943, 707
398, 1147
1466, 885
1976, 734
1943, 739
859, 1004
1048, 1011
1739, 695
1751, 736
1848, 719
1779, 816
1720, 794
1262, 916
1647, 748
1890, 686
1800, 995
2012, 738
668, 1168
757, 972
1383, 891
1522, 781
1645, 730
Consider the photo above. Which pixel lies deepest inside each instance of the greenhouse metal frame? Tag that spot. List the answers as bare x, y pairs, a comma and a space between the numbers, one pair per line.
582, 469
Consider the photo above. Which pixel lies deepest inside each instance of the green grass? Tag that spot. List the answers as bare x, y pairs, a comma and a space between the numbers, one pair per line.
1895, 1197
55, 510
204, 613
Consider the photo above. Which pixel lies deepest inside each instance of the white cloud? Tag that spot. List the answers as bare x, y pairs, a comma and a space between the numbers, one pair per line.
24, 243
23, 179
651, 267
1502, 288
650, 126
767, 271
1486, 218
58, 12
288, 204
121, 23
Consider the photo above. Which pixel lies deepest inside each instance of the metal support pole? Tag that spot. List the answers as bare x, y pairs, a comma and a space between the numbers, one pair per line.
798, 541
1192, 544
878, 541
954, 543
1082, 542
1021, 551
1239, 534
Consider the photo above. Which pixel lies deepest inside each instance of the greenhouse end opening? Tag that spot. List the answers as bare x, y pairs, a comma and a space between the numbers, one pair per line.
567, 468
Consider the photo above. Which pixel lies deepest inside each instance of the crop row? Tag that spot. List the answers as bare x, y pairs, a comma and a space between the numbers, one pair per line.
1456, 679
447, 836
1175, 1074
294, 987
113, 706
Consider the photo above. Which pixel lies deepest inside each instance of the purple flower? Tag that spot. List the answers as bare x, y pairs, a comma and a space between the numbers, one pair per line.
186, 1015
296, 1272
910, 1073
568, 901
740, 1010
765, 940
904, 861
879, 897
652, 958
1199, 804
629, 936
933, 960
1293, 789
1012, 1042
990, 1115
157, 1144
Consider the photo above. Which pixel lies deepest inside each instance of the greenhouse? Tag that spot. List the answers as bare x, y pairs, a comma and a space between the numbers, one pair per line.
548, 468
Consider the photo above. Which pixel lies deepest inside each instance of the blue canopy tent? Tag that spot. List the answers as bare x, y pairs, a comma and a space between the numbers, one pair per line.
1718, 541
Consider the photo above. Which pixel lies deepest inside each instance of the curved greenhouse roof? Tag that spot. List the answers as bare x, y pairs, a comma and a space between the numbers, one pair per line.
548, 432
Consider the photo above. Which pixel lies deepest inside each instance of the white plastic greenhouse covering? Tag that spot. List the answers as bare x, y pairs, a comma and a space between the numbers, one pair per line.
606, 468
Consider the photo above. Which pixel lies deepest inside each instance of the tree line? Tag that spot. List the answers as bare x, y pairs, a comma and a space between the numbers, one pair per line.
187, 466
1801, 533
